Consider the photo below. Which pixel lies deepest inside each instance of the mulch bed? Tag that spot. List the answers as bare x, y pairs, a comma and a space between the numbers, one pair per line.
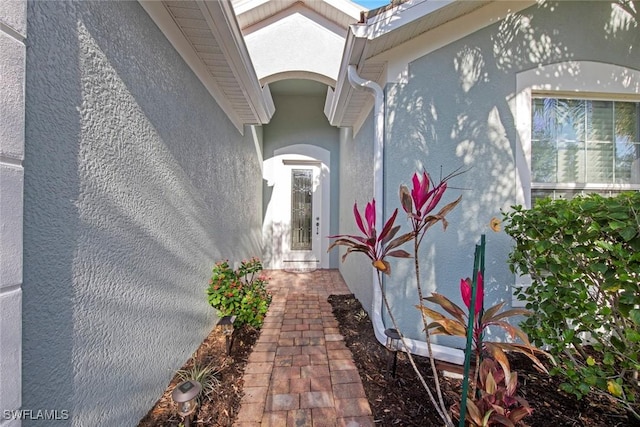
399, 401
402, 401
221, 410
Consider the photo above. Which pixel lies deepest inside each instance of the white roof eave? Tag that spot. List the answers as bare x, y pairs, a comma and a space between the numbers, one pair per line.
358, 37
222, 20
224, 28
361, 36
337, 100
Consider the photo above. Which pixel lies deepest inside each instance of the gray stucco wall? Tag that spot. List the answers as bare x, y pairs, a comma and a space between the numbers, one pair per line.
135, 184
454, 112
301, 120
13, 28
356, 174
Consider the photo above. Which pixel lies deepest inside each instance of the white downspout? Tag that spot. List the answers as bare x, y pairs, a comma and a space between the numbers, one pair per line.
448, 354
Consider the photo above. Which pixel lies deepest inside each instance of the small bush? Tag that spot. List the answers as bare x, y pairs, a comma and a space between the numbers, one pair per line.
583, 256
241, 293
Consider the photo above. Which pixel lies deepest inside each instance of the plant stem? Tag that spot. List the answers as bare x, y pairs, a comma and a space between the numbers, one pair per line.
441, 409
434, 370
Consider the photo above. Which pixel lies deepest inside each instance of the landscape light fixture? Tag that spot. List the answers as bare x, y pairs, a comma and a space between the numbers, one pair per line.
186, 397
226, 323
392, 344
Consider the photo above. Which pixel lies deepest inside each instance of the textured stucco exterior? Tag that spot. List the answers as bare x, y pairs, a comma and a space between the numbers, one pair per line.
456, 111
300, 120
135, 184
356, 172
303, 44
12, 80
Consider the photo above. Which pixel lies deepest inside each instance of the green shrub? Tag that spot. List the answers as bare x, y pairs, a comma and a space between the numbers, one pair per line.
241, 293
583, 256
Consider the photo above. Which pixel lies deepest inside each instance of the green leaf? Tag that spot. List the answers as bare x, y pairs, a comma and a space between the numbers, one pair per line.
616, 225
628, 233
614, 388
568, 335
598, 267
608, 359
632, 336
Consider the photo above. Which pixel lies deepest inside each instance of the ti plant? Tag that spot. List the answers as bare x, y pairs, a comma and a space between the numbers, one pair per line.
419, 203
457, 325
496, 402
376, 247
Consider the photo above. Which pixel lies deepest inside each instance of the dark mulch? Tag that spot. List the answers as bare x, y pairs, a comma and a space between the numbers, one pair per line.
221, 410
402, 401
399, 401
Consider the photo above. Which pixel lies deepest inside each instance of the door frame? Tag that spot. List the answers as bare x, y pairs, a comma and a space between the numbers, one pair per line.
274, 172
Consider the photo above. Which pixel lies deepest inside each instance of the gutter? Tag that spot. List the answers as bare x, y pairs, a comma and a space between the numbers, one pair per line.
439, 352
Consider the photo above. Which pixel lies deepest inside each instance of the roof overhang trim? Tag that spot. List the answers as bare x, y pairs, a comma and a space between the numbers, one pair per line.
222, 23
385, 26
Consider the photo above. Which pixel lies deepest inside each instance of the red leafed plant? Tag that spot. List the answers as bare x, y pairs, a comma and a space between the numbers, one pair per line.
457, 324
376, 247
419, 203
496, 402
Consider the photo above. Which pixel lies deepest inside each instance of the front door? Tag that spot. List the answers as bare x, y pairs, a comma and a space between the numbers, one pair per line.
297, 208
301, 236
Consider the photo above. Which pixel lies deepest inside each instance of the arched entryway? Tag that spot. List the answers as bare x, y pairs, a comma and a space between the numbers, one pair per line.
300, 194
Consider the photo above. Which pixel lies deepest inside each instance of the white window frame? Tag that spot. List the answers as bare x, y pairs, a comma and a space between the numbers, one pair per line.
575, 79
572, 79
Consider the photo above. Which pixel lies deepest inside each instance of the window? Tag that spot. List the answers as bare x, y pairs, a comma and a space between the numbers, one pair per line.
577, 132
301, 209
583, 146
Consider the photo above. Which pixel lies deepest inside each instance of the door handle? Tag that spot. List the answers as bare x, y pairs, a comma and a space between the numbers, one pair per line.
317, 225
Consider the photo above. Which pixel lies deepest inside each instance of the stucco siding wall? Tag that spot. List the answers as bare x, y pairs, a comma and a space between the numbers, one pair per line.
135, 184
301, 40
456, 111
301, 120
12, 79
356, 176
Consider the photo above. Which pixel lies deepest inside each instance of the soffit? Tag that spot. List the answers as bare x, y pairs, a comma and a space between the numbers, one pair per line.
207, 36
385, 29
389, 30
252, 12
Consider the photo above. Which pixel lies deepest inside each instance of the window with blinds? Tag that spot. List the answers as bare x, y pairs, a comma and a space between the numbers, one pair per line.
584, 146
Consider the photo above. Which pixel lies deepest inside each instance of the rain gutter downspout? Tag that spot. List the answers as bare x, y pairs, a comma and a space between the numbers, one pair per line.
378, 172
440, 352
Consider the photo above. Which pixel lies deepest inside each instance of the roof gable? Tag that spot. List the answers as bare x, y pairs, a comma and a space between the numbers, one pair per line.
296, 42
252, 12
210, 36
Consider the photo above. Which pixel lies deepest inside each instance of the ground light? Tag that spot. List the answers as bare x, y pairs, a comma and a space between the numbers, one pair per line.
186, 397
226, 324
393, 343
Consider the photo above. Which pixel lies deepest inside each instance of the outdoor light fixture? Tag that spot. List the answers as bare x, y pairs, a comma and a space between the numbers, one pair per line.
226, 323
186, 397
392, 344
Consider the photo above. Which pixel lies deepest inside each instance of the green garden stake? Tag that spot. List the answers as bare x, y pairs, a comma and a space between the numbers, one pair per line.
478, 265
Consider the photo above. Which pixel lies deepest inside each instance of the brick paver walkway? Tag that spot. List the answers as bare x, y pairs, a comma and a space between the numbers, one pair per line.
300, 372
